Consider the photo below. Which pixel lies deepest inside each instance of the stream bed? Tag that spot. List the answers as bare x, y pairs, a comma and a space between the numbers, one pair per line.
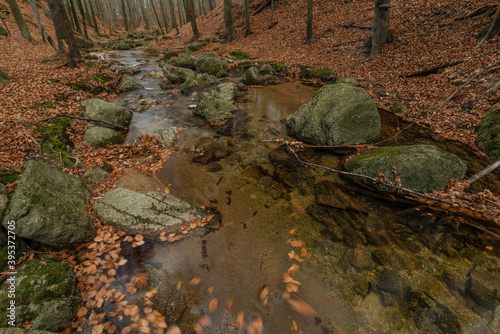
299, 249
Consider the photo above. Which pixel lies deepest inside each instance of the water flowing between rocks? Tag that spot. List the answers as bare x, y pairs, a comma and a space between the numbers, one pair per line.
367, 266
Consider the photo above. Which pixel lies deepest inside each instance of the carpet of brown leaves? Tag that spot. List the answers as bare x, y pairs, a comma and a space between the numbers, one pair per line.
426, 34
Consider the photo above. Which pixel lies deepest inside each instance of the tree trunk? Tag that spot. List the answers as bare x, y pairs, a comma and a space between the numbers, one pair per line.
171, 9
212, 4
247, 19
156, 15
93, 20
144, 15
21, 23
228, 20
65, 37
164, 15
493, 29
75, 17
192, 18
125, 19
380, 27
42, 27
309, 21
84, 21
131, 15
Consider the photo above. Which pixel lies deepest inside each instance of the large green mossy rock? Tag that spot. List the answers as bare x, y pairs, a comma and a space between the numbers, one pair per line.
177, 74
214, 108
16, 330
128, 84
193, 84
4, 200
252, 77
185, 60
421, 168
106, 111
489, 133
46, 294
339, 114
98, 136
50, 206
136, 212
209, 63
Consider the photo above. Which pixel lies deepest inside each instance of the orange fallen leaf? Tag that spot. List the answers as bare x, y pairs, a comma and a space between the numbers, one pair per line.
292, 231
210, 290
213, 305
302, 307
229, 303
239, 323
173, 330
195, 281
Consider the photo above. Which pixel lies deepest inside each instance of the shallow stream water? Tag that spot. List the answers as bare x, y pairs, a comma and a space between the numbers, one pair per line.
368, 266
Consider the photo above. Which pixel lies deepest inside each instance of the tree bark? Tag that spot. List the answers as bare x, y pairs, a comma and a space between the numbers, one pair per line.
171, 9
42, 27
75, 17
228, 20
164, 15
192, 18
21, 23
125, 19
93, 20
380, 27
144, 15
309, 21
156, 15
63, 32
493, 29
247, 19
84, 21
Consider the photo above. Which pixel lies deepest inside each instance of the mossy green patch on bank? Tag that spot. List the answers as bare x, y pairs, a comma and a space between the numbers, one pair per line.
238, 54
101, 77
489, 133
55, 141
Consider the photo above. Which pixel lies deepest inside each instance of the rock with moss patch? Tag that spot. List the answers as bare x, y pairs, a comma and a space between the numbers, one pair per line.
124, 69
185, 60
17, 330
136, 212
209, 63
227, 91
128, 84
339, 114
421, 167
106, 111
349, 81
167, 54
46, 294
489, 133
4, 200
93, 178
50, 206
158, 74
4, 77
177, 74
193, 84
98, 136
266, 69
252, 77
215, 109
167, 136
8, 175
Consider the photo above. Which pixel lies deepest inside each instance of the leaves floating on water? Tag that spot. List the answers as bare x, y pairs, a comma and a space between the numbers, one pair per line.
302, 307
213, 305
239, 323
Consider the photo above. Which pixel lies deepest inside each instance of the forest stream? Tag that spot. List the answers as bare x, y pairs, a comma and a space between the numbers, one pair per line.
354, 263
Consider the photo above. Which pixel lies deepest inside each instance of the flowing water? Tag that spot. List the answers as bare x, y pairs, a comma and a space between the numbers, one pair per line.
363, 265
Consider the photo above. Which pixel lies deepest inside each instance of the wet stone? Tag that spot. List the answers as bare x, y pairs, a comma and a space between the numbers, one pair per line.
273, 188
286, 177
362, 259
284, 158
389, 281
483, 287
380, 256
214, 167
375, 230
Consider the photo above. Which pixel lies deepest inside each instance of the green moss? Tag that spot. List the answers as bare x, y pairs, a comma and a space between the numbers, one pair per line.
489, 132
55, 141
320, 72
151, 51
279, 66
245, 64
87, 88
398, 108
101, 77
49, 105
8, 176
238, 54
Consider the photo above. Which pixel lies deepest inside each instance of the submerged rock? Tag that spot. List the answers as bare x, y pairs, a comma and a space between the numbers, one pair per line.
168, 135
177, 74
209, 63
420, 167
227, 91
339, 114
50, 206
128, 84
106, 111
252, 77
193, 84
122, 69
215, 109
489, 133
46, 294
98, 136
136, 212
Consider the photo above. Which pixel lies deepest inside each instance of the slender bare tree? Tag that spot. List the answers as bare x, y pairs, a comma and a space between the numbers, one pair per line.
21, 23
380, 27
247, 18
493, 29
192, 18
65, 38
309, 21
228, 20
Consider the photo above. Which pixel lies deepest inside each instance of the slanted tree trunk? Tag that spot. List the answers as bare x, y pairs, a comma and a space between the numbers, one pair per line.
71, 6
84, 21
493, 29
65, 37
156, 15
42, 27
192, 18
247, 19
93, 17
144, 15
380, 27
21, 23
228, 20
309, 21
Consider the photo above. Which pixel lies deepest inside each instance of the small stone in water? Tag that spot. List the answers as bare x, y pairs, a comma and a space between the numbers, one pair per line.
192, 106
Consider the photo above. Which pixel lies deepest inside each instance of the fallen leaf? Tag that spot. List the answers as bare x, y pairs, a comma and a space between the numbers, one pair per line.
213, 305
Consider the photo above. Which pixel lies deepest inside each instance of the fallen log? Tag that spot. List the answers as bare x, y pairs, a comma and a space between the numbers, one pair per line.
432, 70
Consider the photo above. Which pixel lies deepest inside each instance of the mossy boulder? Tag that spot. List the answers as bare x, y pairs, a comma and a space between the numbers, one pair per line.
184, 60
421, 168
167, 136
339, 114
177, 74
227, 91
266, 70
193, 84
98, 136
50, 206
252, 77
215, 109
106, 111
136, 212
167, 54
8, 175
46, 294
124, 69
489, 133
209, 63
128, 84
